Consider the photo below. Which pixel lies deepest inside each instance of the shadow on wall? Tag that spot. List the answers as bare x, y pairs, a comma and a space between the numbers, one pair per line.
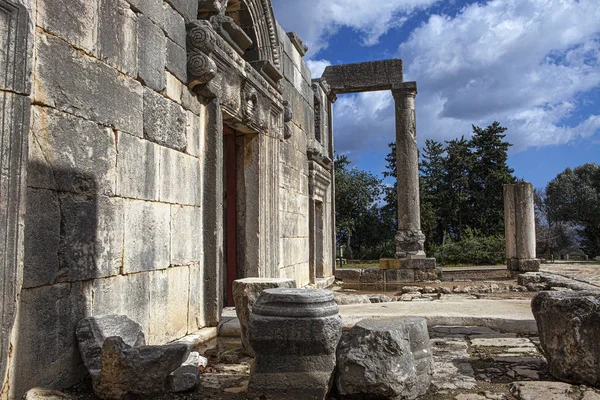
65, 247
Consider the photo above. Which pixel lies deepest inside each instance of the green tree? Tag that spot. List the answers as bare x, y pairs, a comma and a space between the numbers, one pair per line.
457, 184
433, 191
489, 173
574, 196
357, 194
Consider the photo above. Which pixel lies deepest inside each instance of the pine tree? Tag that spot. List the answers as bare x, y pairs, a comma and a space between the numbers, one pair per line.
490, 172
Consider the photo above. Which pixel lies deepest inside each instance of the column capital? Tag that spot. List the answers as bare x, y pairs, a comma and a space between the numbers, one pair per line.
404, 89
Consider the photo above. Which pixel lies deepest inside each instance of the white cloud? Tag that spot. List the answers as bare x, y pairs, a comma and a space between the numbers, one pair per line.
317, 67
316, 20
521, 62
364, 122
528, 64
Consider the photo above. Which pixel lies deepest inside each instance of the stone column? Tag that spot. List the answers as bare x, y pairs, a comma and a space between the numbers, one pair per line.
525, 218
409, 238
519, 221
510, 229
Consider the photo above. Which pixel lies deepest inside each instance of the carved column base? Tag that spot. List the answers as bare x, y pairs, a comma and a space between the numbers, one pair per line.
410, 243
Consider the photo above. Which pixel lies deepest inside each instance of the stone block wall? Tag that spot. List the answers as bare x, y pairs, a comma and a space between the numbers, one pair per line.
115, 182
296, 184
125, 172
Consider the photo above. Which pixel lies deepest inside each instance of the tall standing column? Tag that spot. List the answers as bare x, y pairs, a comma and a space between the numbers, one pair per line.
409, 238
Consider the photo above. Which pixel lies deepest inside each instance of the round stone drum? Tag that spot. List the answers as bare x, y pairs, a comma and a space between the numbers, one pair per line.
294, 333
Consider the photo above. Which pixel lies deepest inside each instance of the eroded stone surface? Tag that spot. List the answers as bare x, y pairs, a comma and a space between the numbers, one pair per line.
388, 358
569, 331
294, 333
245, 293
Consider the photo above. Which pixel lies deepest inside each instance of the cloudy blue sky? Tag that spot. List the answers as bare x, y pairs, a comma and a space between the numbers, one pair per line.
532, 65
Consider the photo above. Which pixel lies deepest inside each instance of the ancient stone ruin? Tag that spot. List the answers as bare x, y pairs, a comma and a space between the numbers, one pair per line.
519, 225
153, 153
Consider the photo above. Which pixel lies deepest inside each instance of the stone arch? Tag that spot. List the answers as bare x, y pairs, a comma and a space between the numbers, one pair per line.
257, 20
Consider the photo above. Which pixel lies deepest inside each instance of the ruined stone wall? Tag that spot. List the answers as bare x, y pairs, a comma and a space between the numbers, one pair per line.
124, 190
296, 185
115, 182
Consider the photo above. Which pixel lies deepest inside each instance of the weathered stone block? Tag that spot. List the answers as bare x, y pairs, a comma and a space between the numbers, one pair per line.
176, 61
294, 225
152, 53
164, 121
177, 168
399, 276
123, 295
99, 93
174, 89
93, 331
81, 155
568, 325
388, 358
16, 34
91, 243
197, 314
118, 35
169, 291
195, 131
528, 265
294, 333
187, 8
75, 21
183, 379
42, 238
48, 353
371, 276
152, 9
141, 371
147, 236
245, 293
137, 168
364, 77
174, 25
348, 275
186, 235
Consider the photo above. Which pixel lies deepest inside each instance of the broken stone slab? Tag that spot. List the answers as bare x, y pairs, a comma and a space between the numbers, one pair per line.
140, 371
345, 299
92, 331
569, 330
385, 358
245, 293
541, 390
196, 360
45, 394
183, 379
295, 333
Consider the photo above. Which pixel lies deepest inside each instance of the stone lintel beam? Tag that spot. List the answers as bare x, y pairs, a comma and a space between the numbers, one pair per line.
364, 77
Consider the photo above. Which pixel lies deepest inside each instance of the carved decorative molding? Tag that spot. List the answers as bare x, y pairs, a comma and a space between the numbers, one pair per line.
288, 116
314, 154
319, 180
201, 42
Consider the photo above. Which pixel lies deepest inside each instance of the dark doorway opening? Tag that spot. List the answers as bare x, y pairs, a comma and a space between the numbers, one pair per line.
230, 212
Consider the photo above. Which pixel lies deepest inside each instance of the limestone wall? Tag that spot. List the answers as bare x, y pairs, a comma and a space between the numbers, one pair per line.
115, 182
296, 184
124, 191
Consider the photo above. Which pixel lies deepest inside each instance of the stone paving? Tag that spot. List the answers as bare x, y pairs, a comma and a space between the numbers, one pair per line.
470, 363
589, 273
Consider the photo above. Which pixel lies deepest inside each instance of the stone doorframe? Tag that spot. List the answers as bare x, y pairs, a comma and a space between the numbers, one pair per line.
16, 39
247, 97
388, 75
